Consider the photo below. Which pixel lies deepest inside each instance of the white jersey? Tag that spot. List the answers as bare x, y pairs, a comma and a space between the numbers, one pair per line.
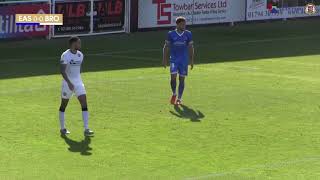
73, 62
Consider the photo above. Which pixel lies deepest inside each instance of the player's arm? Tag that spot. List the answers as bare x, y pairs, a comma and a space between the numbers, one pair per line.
191, 54
63, 67
166, 51
191, 49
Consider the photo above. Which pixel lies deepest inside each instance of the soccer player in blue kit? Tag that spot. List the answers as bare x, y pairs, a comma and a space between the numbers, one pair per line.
179, 44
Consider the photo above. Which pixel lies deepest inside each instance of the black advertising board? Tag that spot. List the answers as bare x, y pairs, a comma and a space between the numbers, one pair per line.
108, 15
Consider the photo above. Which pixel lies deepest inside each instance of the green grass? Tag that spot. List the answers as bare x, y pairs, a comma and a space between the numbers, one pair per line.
252, 107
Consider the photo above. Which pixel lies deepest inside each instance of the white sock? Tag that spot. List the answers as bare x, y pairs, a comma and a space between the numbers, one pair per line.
85, 117
61, 118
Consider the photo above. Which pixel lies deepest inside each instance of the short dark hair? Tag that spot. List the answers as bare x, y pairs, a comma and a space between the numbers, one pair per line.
180, 19
73, 39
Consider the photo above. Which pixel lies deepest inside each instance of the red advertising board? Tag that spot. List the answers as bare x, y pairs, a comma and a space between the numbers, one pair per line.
8, 27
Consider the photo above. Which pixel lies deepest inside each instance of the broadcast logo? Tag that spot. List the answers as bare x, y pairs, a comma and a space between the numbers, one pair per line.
310, 9
39, 19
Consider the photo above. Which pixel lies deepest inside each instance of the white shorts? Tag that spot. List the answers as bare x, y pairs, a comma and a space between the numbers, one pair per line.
66, 93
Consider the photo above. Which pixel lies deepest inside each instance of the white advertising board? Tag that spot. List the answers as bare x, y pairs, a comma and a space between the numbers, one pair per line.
162, 13
257, 10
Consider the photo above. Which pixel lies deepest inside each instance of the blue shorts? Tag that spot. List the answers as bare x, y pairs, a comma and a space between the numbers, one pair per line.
178, 68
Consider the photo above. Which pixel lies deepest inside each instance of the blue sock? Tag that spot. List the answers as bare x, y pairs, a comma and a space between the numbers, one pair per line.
181, 88
173, 86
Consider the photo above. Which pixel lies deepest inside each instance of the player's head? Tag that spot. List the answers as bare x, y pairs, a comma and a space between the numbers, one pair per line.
75, 43
181, 23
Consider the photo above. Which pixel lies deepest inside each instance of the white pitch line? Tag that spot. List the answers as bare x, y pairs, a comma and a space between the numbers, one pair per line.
160, 49
126, 51
133, 57
275, 39
298, 63
254, 73
285, 76
276, 165
92, 82
238, 67
88, 54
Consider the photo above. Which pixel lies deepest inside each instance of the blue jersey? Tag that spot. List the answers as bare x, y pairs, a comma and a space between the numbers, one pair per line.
179, 46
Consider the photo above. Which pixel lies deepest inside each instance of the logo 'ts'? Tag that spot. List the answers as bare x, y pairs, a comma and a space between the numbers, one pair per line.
163, 17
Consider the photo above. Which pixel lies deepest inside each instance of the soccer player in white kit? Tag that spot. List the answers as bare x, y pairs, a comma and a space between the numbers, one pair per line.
70, 66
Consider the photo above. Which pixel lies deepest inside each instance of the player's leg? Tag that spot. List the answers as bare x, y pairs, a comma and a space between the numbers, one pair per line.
80, 91
62, 109
181, 88
66, 94
173, 82
183, 72
85, 114
84, 107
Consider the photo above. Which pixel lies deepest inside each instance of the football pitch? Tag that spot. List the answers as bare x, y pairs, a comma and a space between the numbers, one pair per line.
251, 107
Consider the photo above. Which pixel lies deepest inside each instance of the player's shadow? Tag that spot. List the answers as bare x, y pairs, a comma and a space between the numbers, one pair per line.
186, 112
82, 146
